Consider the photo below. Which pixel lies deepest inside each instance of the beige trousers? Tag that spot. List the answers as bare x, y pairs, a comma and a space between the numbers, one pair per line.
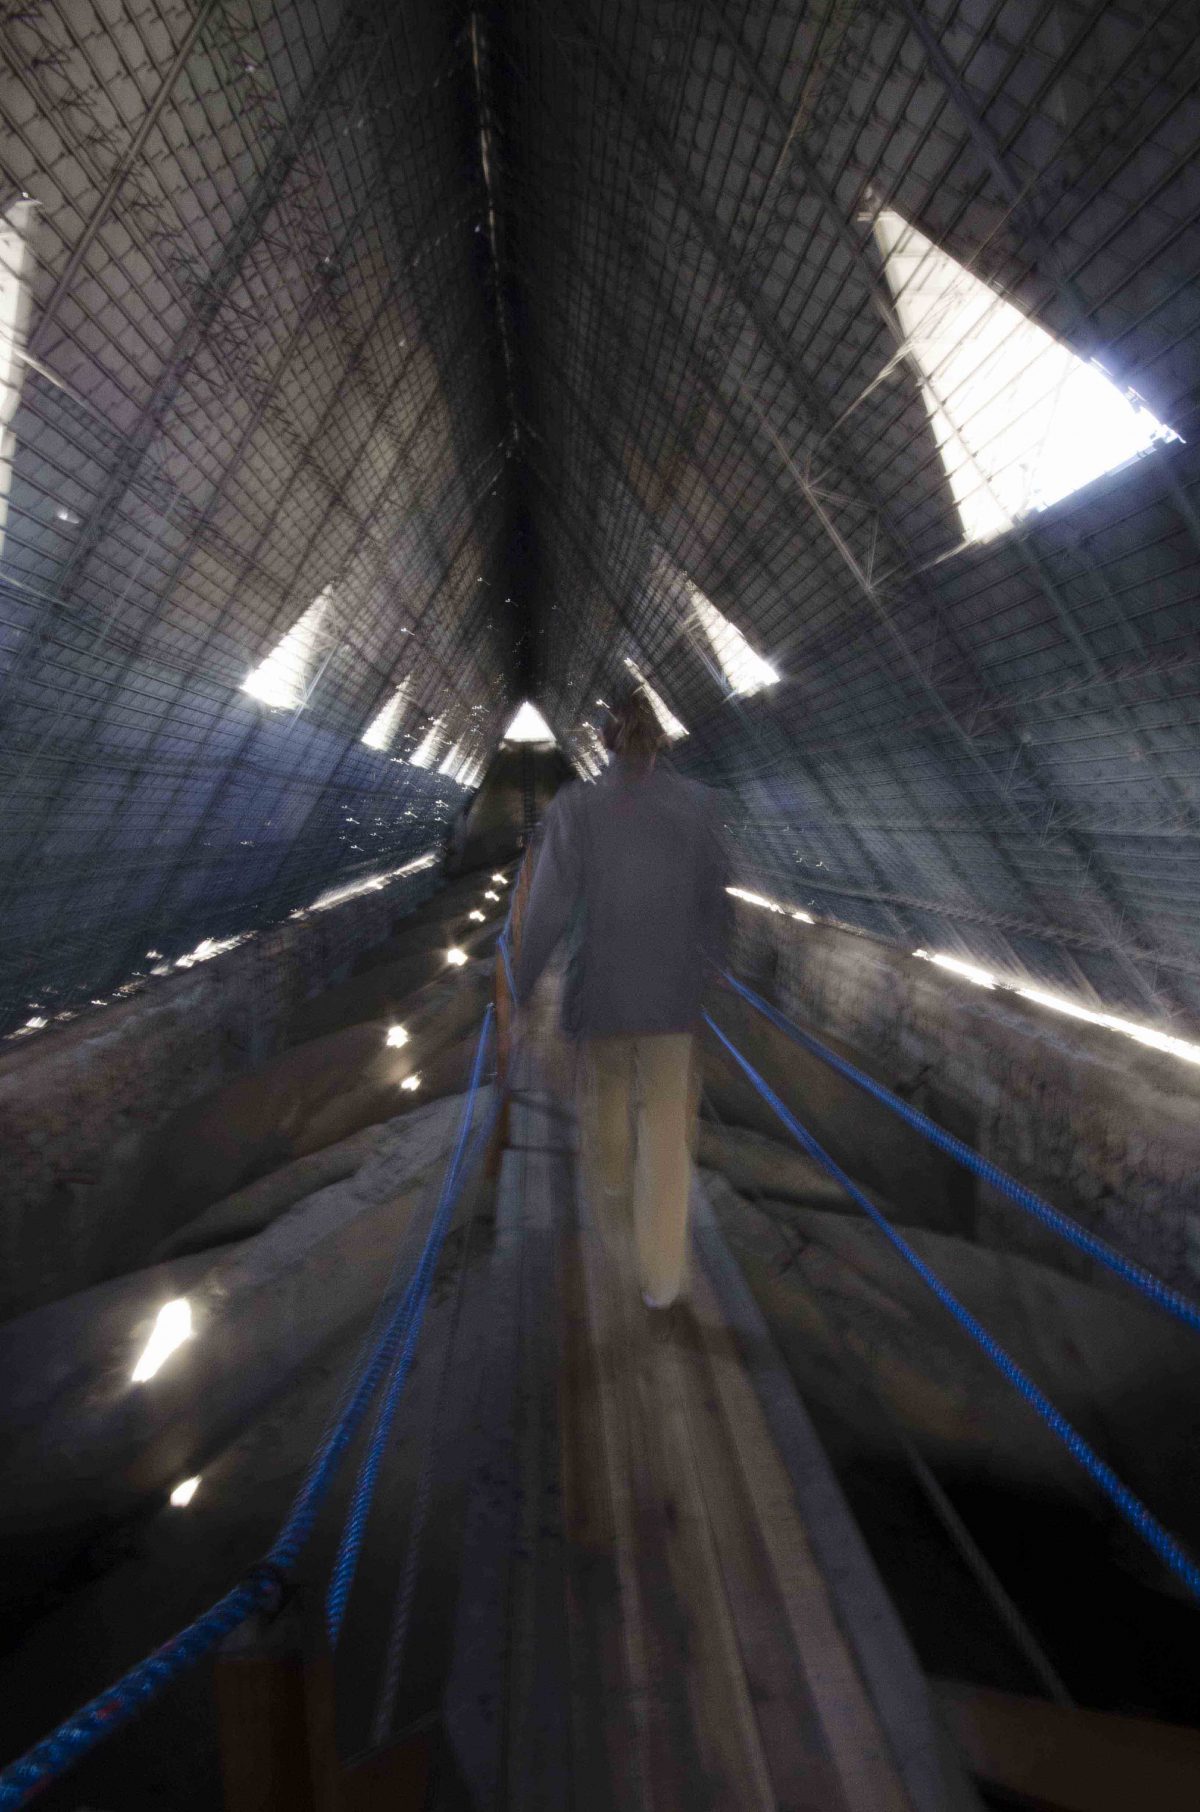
637, 1122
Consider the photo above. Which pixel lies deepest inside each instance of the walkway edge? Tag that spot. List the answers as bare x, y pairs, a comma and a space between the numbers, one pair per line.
925, 1757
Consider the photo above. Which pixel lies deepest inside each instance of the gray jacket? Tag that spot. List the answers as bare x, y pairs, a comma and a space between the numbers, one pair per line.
633, 872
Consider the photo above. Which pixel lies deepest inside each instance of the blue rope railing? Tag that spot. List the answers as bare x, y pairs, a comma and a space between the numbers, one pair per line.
1131, 1507
416, 1298
264, 1583
1158, 1292
506, 958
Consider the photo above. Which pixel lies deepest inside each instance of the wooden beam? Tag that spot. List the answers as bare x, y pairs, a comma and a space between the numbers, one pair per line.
1060, 1757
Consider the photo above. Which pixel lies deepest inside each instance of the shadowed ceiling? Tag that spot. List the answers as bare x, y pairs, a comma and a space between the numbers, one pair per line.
433, 356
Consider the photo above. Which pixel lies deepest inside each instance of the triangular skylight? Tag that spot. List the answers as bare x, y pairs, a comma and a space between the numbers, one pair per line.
16, 224
745, 672
425, 754
1020, 420
529, 726
283, 678
382, 727
672, 729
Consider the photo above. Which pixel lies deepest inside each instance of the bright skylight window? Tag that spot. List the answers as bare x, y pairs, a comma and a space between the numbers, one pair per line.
745, 672
282, 680
1020, 420
424, 755
671, 727
382, 728
16, 226
529, 726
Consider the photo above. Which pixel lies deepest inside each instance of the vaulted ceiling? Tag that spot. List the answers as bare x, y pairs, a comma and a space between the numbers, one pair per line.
404, 360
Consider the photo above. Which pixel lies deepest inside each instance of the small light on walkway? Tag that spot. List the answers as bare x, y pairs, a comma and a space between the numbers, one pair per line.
171, 1329
456, 957
411, 1083
183, 1494
397, 1037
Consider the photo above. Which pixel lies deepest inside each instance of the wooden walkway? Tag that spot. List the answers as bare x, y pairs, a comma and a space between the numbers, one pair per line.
665, 1602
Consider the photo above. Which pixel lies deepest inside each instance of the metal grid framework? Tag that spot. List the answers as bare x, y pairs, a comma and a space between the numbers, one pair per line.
989, 750
261, 365
506, 315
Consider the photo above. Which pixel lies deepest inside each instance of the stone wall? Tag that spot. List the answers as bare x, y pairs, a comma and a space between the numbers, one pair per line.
80, 1102
1106, 1129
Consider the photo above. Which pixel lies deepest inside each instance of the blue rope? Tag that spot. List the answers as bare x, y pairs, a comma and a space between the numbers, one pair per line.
114, 1707
1128, 1269
507, 959
416, 1299
1164, 1544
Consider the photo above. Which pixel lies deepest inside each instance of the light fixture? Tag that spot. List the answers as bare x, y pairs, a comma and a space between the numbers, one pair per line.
500, 880
411, 1083
184, 1493
397, 1037
456, 957
172, 1327
478, 917
489, 895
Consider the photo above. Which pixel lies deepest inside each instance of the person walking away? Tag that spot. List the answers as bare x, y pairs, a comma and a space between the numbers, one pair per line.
632, 871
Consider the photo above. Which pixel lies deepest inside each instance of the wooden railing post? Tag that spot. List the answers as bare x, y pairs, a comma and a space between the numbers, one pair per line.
275, 1717
276, 1727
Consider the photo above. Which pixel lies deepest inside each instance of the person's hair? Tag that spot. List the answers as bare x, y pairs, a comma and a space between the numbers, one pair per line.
632, 729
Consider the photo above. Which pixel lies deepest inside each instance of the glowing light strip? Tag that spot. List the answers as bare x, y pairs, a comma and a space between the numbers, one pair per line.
983, 978
369, 884
1183, 1048
760, 900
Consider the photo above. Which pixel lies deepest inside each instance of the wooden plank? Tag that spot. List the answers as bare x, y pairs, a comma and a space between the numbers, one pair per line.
704, 1746
727, 1728
932, 1776
852, 1732
539, 1721
607, 1661
1071, 1759
802, 1772
671, 1762
476, 1697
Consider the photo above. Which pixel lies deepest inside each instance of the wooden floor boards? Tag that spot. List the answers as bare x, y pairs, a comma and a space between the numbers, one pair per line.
676, 1640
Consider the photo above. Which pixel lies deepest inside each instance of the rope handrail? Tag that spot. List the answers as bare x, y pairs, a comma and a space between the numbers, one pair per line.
1157, 1537
507, 960
416, 1300
1129, 1270
86, 1728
